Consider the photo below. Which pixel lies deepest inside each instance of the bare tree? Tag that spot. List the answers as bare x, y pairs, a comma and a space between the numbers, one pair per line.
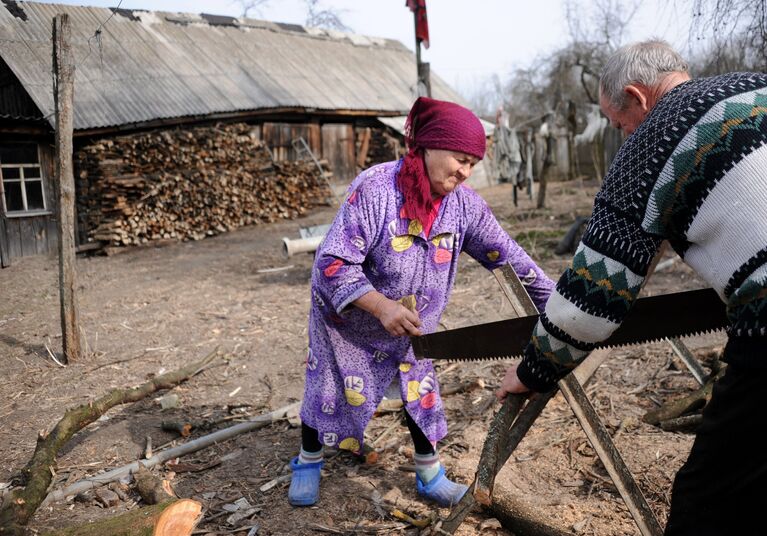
570, 76
327, 18
596, 30
255, 6
713, 58
736, 31
527, 95
601, 22
565, 84
486, 95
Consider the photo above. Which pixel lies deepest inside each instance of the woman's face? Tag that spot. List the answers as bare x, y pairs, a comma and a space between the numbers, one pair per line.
447, 169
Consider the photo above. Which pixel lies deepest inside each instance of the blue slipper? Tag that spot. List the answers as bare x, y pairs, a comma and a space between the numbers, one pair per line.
305, 483
441, 489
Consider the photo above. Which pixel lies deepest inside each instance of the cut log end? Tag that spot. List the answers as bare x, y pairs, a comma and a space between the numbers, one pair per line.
153, 489
179, 519
483, 496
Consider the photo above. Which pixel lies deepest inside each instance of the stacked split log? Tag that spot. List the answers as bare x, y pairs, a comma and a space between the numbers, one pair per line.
380, 146
187, 184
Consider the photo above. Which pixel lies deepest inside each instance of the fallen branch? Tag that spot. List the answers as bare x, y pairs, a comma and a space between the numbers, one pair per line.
687, 423
22, 503
688, 404
186, 448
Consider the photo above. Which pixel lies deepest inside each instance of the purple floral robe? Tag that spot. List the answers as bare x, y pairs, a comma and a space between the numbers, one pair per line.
352, 359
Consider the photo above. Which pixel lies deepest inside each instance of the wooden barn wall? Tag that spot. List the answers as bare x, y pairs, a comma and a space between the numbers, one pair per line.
28, 236
22, 236
333, 142
279, 138
338, 149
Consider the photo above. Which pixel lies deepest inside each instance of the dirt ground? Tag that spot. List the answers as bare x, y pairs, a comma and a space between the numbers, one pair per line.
151, 310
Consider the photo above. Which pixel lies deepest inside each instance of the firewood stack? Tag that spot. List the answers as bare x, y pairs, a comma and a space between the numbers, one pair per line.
187, 184
381, 147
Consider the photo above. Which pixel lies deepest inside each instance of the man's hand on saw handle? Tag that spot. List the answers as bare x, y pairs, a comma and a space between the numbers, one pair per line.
511, 384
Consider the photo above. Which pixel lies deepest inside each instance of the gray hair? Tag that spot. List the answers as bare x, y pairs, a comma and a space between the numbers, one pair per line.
646, 63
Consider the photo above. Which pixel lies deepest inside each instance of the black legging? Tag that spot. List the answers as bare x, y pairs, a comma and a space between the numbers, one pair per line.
310, 438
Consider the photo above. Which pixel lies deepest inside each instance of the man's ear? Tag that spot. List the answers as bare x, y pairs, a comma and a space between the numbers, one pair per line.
638, 93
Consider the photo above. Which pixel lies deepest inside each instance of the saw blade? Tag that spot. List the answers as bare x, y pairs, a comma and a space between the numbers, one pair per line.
652, 319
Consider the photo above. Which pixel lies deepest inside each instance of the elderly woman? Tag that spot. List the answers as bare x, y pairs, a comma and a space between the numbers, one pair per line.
384, 272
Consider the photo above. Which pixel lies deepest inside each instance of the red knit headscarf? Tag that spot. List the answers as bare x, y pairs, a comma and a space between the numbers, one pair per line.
434, 124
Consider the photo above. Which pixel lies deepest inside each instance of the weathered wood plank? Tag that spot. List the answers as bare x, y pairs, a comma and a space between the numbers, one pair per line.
53, 236
14, 237
27, 237
5, 256
40, 230
338, 150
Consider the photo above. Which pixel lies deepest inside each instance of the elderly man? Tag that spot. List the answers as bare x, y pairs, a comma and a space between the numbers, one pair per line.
692, 171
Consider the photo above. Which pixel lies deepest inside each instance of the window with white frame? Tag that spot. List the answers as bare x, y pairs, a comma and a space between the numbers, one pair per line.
22, 179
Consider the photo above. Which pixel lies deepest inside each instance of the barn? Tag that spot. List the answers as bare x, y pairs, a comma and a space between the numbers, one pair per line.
300, 91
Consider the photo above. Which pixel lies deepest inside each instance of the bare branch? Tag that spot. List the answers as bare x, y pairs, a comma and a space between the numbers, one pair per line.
255, 6
736, 31
327, 18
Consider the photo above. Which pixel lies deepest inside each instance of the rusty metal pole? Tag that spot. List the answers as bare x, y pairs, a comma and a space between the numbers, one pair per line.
63, 95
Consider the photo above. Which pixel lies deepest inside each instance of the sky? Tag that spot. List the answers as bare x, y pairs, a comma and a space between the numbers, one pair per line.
470, 40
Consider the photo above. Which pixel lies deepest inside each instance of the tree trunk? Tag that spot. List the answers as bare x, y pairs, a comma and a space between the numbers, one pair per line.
171, 518
521, 518
692, 402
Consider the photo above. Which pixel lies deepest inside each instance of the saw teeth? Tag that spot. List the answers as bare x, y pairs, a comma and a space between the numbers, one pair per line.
465, 359
604, 346
652, 341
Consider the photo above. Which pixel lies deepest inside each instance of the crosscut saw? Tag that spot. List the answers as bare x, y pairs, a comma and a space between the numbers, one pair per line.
651, 319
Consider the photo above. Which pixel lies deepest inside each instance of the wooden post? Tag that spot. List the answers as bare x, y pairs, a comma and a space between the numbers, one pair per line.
548, 162
572, 154
423, 85
63, 94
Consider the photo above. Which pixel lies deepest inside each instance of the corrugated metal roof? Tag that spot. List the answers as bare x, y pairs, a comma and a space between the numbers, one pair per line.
159, 65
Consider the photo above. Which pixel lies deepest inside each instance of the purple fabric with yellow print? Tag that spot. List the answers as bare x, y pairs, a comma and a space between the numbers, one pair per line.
352, 359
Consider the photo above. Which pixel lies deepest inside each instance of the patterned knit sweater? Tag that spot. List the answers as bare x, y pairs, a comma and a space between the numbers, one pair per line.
693, 173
